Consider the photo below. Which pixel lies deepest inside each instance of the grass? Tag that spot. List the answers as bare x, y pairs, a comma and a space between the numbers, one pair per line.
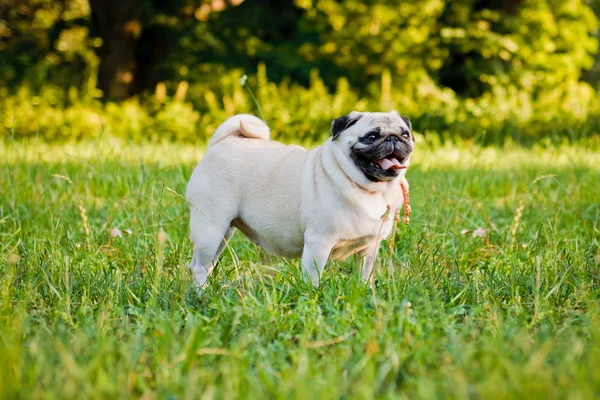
514, 314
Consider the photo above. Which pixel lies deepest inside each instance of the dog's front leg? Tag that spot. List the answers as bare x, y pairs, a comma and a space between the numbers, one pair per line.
314, 257
367, 263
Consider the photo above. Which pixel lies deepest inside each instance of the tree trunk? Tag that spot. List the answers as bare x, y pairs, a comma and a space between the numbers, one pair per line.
117, 23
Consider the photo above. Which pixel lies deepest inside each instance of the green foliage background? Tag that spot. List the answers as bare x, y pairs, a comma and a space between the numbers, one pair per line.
481, 69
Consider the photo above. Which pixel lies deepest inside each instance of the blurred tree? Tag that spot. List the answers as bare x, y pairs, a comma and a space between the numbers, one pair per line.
472, 32
138, 36
364, 38
531, 44
117, 23
47, 42
476, 48
216, 35
469, 46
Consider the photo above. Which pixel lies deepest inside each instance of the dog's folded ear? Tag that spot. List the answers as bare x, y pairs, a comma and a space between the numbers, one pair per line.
342, 123
406, 120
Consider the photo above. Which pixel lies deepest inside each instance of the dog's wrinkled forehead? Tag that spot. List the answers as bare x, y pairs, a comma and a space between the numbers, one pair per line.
386, 122
356, 124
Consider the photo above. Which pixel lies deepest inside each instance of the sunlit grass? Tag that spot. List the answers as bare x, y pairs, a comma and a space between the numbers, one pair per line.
87, 315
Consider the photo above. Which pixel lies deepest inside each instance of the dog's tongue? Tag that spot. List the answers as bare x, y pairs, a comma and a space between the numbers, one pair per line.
386, 163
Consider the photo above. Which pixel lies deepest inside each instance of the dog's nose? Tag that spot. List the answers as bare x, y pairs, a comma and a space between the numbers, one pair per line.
392, 138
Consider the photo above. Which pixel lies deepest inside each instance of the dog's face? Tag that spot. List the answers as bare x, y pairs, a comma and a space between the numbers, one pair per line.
380, 144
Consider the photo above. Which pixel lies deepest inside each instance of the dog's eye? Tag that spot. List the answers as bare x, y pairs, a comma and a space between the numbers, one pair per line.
371, 137
405, 135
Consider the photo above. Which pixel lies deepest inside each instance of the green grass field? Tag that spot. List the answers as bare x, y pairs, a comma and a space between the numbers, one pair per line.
514, 314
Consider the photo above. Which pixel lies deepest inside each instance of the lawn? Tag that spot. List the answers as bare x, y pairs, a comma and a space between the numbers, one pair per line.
96, 300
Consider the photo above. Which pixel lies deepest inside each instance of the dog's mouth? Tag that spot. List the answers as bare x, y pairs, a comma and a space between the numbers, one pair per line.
381, 169
383, 162
390, 162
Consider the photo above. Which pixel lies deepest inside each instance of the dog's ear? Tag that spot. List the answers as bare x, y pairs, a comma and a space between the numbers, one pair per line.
342, 123
406, 120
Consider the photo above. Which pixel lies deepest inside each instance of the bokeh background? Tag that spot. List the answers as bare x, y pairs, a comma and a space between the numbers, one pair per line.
486, 70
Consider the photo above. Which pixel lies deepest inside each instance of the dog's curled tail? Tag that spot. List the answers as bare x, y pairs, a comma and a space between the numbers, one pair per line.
242, 125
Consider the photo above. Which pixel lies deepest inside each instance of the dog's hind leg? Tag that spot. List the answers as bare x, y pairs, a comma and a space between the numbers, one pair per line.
210, 237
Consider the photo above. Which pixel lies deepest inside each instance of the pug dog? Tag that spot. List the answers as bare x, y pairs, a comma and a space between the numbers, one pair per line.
329, 202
